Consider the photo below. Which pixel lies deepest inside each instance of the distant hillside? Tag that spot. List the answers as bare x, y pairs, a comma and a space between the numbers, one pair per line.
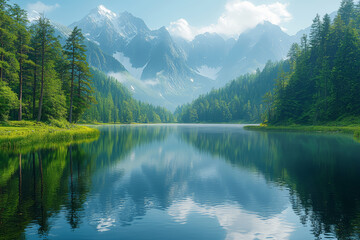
240, 100
116, 104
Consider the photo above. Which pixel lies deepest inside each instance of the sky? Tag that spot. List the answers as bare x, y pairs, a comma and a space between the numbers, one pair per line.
187, 18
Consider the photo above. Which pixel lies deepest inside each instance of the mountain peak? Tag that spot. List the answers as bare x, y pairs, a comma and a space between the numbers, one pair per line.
103, 11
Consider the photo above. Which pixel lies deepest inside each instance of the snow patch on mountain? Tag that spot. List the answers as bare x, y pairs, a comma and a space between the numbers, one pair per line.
135, 72
208, 72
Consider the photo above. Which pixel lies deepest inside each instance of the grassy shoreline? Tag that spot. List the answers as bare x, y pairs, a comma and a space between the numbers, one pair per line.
351, 129
28, 135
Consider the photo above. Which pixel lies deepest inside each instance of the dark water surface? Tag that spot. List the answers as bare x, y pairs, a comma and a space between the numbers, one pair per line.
184, 182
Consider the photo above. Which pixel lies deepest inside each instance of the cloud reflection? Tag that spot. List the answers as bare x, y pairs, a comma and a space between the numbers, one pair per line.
238, 223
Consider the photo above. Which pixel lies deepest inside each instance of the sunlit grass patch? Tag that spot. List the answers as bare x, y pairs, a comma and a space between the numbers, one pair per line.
32, 135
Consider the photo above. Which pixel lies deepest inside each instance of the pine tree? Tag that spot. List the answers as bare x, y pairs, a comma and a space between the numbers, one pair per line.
48, 44
315, 32
75, 51
35, 57
346, 11
22, 48
8, 63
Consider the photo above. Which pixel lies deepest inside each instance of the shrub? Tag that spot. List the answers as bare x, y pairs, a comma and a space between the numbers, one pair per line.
8, 101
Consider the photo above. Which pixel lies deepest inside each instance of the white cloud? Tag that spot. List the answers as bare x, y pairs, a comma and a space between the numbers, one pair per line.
181, 28
35, 9
238, 17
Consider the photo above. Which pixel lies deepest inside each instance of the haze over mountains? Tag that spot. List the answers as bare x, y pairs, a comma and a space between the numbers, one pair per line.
170, 71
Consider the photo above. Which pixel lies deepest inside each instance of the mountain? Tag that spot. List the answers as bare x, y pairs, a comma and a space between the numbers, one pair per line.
109, 30
207, 52
151, 56
109, 65
95, 56
207, 49
170, 70
253, 49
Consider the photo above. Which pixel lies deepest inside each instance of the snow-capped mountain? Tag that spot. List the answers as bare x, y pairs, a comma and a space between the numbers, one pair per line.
109, 30
174, 69
149, 55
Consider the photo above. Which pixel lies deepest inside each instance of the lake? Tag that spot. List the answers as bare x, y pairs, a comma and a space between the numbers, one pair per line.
184, 182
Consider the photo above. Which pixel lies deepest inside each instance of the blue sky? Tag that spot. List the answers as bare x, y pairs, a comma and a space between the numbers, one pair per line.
189, 17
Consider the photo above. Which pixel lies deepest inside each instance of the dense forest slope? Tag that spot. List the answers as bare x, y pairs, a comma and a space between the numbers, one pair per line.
324, 82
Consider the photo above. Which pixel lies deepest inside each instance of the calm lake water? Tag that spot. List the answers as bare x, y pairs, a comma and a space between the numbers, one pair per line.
184, 182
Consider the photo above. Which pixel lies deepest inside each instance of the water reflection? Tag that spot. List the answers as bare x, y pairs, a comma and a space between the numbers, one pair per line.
178, 180
320, 171
198, 182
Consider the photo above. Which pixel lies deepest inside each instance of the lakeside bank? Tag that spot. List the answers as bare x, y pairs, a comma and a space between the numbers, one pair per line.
16, 135
351, 129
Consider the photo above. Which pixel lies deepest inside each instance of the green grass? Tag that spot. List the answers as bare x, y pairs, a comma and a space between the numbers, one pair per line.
28, 135
349, 129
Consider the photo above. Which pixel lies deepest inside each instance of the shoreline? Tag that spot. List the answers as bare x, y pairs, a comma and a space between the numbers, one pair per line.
352, 129
28, 135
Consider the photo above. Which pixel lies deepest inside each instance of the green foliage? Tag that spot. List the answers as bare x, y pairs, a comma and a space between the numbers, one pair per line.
80, 91
8, 101
240, 100
8, 62
323, 84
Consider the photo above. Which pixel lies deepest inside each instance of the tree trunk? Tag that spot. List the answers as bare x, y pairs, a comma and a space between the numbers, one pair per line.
326, 94
79, 85
2, 59
34, 90
20, 91
42, 80
72, 85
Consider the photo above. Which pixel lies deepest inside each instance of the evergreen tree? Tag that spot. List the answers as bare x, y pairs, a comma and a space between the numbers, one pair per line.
346, 11
22, 43
48, 46
8, 63
75, 51
324, 80
84, 90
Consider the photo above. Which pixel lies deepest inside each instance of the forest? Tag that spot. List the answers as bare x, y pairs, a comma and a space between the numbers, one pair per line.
323, 83
42, 80
319, 82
